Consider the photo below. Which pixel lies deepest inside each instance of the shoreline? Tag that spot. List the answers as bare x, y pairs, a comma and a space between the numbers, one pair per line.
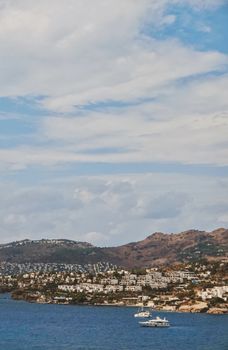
209, 311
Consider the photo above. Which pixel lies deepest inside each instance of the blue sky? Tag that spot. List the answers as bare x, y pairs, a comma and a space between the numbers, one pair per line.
112, 114
204, 30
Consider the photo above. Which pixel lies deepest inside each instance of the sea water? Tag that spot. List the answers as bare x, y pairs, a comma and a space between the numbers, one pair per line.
25, 326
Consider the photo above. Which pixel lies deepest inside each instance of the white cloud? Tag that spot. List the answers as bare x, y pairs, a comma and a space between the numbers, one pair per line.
174, 110
188, 125
95, 237
165, 206
224, 218
203, 4
80, 52
204, 28
123, 207
67, 43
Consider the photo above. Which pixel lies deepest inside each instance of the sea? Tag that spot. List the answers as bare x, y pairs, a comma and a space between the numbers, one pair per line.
25, 326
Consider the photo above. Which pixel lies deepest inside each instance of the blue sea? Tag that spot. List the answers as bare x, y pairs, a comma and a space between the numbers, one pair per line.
25, 326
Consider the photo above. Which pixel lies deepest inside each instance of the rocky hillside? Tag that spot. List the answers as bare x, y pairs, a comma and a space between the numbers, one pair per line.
160, 248
156, 249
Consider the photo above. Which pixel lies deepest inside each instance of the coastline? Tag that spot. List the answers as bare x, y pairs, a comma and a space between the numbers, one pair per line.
191, 309
195, 288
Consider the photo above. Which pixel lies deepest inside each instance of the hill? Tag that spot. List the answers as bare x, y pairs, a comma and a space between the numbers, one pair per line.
157, 249
163, 249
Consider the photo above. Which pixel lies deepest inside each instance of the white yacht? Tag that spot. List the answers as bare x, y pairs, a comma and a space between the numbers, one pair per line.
156, 322
142, 313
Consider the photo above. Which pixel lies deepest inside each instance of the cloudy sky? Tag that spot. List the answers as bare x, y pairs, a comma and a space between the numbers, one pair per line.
113, 118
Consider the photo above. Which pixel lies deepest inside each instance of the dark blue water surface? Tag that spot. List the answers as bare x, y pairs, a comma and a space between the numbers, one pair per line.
25, 326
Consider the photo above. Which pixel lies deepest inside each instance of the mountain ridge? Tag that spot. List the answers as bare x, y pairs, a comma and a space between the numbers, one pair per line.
156, 249
45, 241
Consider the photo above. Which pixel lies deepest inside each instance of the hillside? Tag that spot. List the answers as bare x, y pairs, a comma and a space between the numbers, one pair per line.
157, 249
45, 250
160, 248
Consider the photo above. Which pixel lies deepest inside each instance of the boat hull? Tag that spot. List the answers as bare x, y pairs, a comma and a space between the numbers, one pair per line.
142, 324
142, 315
155, 323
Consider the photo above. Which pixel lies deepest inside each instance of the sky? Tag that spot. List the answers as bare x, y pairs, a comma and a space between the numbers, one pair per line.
113, 118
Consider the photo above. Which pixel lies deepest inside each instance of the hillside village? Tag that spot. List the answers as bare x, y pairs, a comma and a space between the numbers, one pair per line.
195, 287
7, 268
184, 272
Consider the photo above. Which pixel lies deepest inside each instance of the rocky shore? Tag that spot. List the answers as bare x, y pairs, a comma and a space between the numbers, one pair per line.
202, 307
199, 307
